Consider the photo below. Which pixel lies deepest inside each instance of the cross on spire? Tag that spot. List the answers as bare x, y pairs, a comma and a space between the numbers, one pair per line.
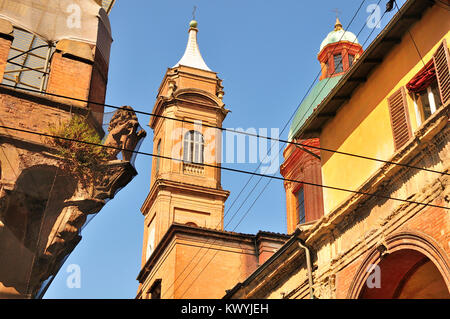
337, 11
338, 24
193, 12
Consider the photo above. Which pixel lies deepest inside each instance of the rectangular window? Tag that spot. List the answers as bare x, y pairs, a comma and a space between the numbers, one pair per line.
351, 59
428, 101
301, 206
28, 61
338, 67
430, 87
158, 159
150, 239
424, 105
194, 147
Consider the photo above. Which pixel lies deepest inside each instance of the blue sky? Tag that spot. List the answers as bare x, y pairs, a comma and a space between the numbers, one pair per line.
266, 54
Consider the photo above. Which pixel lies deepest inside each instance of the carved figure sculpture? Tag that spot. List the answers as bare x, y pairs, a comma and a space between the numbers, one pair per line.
123, 133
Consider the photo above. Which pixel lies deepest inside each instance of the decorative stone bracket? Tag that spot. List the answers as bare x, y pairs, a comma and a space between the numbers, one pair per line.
43, 210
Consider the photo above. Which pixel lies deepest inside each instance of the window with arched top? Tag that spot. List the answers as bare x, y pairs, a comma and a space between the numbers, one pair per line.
194, 147
191, 224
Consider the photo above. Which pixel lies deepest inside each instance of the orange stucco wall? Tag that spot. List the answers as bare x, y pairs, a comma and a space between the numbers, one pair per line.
201, 266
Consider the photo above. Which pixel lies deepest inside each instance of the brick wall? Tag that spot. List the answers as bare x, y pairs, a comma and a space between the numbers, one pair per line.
433, 222
69, 77
77, 72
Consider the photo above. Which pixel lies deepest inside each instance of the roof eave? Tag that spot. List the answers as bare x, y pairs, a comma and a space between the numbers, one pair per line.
412, 11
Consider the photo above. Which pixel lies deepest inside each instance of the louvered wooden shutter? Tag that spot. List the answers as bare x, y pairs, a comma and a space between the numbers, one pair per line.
442, 65
398, 108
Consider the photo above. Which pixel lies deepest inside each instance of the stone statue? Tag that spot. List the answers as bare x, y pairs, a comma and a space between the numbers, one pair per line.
123, 133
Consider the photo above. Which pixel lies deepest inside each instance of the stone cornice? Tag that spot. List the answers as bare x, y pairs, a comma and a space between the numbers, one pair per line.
205, 234
282, 256
26, 144
162, 184
338, 47
296, 157
384, 175
163, 102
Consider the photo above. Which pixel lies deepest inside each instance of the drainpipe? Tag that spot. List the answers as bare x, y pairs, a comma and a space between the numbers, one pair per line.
308, 265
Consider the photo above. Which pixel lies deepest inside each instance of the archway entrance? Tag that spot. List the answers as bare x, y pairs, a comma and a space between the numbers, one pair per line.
405, 274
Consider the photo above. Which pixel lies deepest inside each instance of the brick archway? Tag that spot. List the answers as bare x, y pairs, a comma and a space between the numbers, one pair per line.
399, 259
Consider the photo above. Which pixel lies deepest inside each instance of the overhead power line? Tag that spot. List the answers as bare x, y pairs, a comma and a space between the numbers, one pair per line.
223, 168
259, 180
258, 166
236, 131
259, 136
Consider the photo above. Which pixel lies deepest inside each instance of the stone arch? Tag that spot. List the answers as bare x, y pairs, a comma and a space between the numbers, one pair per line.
201, 96
406, 251
30, 211
34, 203
191, 224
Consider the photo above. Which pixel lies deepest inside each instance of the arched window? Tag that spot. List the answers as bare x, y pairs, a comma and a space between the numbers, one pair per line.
193, 147
191, 224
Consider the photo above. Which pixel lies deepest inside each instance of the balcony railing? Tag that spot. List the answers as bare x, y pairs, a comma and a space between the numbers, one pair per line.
193, 169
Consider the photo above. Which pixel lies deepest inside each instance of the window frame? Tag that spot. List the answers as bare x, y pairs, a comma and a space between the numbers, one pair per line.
430, 97
193, 147
300, 206
352, 61
151, 239
155, 290
340, 65
158, 159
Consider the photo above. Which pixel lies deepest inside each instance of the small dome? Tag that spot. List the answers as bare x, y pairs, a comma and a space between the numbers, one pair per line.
337, 35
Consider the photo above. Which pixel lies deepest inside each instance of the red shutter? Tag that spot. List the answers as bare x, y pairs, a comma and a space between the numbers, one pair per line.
442, 64
398, 109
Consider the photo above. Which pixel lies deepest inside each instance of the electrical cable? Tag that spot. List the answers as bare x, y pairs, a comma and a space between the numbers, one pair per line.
220, 167
251, 177
259, 136
246, 133
258, 195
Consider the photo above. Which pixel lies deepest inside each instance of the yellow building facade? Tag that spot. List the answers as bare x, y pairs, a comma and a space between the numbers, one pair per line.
385, 231
367, 130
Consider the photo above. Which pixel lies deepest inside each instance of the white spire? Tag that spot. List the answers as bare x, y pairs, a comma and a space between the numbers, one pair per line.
192, 56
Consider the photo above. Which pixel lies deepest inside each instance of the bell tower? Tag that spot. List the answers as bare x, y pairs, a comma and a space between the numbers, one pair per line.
185, 191
186, 252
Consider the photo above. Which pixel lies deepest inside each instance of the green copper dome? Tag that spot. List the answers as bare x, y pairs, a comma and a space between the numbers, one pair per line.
318, 93
338, 35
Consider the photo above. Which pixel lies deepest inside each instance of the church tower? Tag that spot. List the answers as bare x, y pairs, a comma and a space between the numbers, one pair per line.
185, 191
